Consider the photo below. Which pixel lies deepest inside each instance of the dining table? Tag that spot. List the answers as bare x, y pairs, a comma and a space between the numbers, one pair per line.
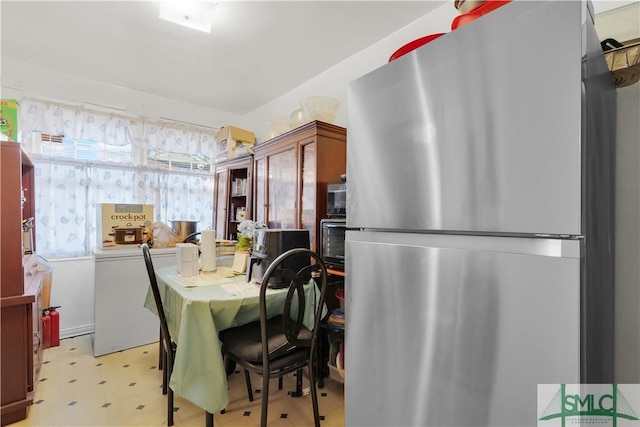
197, 308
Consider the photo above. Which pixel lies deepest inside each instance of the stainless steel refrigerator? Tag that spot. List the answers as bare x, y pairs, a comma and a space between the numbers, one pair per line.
480, 207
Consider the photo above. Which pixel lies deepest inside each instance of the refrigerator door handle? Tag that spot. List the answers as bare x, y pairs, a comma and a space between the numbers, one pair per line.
555, 247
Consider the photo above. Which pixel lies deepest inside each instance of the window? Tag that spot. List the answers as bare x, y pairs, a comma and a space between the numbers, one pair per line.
83, 158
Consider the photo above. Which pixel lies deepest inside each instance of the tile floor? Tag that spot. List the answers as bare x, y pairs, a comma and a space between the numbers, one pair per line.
124, 389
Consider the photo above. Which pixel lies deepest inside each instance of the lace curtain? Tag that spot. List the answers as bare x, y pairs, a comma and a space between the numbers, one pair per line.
106, 159
82, 124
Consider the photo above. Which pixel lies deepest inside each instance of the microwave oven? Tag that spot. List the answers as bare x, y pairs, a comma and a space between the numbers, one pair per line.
337, 200
332, 236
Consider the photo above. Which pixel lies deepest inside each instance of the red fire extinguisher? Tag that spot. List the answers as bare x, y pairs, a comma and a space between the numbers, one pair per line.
55, 326
46, 328
51, 327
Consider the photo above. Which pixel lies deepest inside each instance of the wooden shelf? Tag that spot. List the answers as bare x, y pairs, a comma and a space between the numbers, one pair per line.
233, 191
335, 272
20, 290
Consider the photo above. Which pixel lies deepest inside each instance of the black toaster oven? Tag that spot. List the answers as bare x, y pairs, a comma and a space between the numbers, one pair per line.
332, 235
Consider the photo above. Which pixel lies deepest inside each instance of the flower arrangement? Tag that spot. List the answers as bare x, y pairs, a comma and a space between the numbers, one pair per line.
246, 231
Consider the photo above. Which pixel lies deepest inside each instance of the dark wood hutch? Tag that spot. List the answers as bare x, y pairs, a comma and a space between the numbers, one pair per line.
291, 173
286, 180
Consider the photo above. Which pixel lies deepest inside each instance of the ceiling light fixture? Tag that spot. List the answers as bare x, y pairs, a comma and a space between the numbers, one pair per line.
197, 15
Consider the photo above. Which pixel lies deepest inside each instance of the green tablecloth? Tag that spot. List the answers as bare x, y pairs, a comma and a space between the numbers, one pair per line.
195, 316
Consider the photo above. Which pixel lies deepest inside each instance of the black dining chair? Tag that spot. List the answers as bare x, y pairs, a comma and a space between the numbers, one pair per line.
191, 238
275, 346
168, 345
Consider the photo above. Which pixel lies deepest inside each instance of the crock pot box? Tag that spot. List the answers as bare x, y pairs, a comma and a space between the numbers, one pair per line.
111, 216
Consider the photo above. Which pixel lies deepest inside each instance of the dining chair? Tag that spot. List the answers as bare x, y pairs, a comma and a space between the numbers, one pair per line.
168, 345
191, 238
275, 346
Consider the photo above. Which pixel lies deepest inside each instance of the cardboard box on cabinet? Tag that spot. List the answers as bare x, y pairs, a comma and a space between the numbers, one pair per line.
233, 141
123, 225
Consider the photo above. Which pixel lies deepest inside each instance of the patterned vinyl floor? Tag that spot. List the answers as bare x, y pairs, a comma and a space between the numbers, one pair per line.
124, 389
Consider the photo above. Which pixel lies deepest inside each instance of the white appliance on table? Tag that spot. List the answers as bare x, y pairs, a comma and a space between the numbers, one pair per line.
121, 281
480, 170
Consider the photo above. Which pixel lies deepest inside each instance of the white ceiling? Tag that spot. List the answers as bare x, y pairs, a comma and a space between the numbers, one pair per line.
257, 50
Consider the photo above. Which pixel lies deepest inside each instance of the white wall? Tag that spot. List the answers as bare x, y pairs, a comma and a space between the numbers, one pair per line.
72, 288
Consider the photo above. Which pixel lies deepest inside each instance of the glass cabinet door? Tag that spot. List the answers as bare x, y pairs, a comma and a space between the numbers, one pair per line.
221, 204
281, 212
260, 196
308, 214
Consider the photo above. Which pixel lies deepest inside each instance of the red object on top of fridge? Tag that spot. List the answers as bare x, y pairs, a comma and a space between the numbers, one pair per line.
483, 9
414, 45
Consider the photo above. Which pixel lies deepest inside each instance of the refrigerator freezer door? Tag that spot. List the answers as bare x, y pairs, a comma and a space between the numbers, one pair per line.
474, 132
457, 330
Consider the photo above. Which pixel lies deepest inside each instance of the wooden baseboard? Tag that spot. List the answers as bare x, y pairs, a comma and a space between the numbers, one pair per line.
15, 411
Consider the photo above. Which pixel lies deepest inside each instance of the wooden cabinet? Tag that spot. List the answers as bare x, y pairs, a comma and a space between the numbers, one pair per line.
232, 196
11, 241
291, 175
220, 200
20, 289
34, 274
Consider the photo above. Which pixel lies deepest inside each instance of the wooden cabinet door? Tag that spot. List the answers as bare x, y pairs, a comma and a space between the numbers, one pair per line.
37, 334
221, 204
260, 190
282, 194
309, 189
11, 274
